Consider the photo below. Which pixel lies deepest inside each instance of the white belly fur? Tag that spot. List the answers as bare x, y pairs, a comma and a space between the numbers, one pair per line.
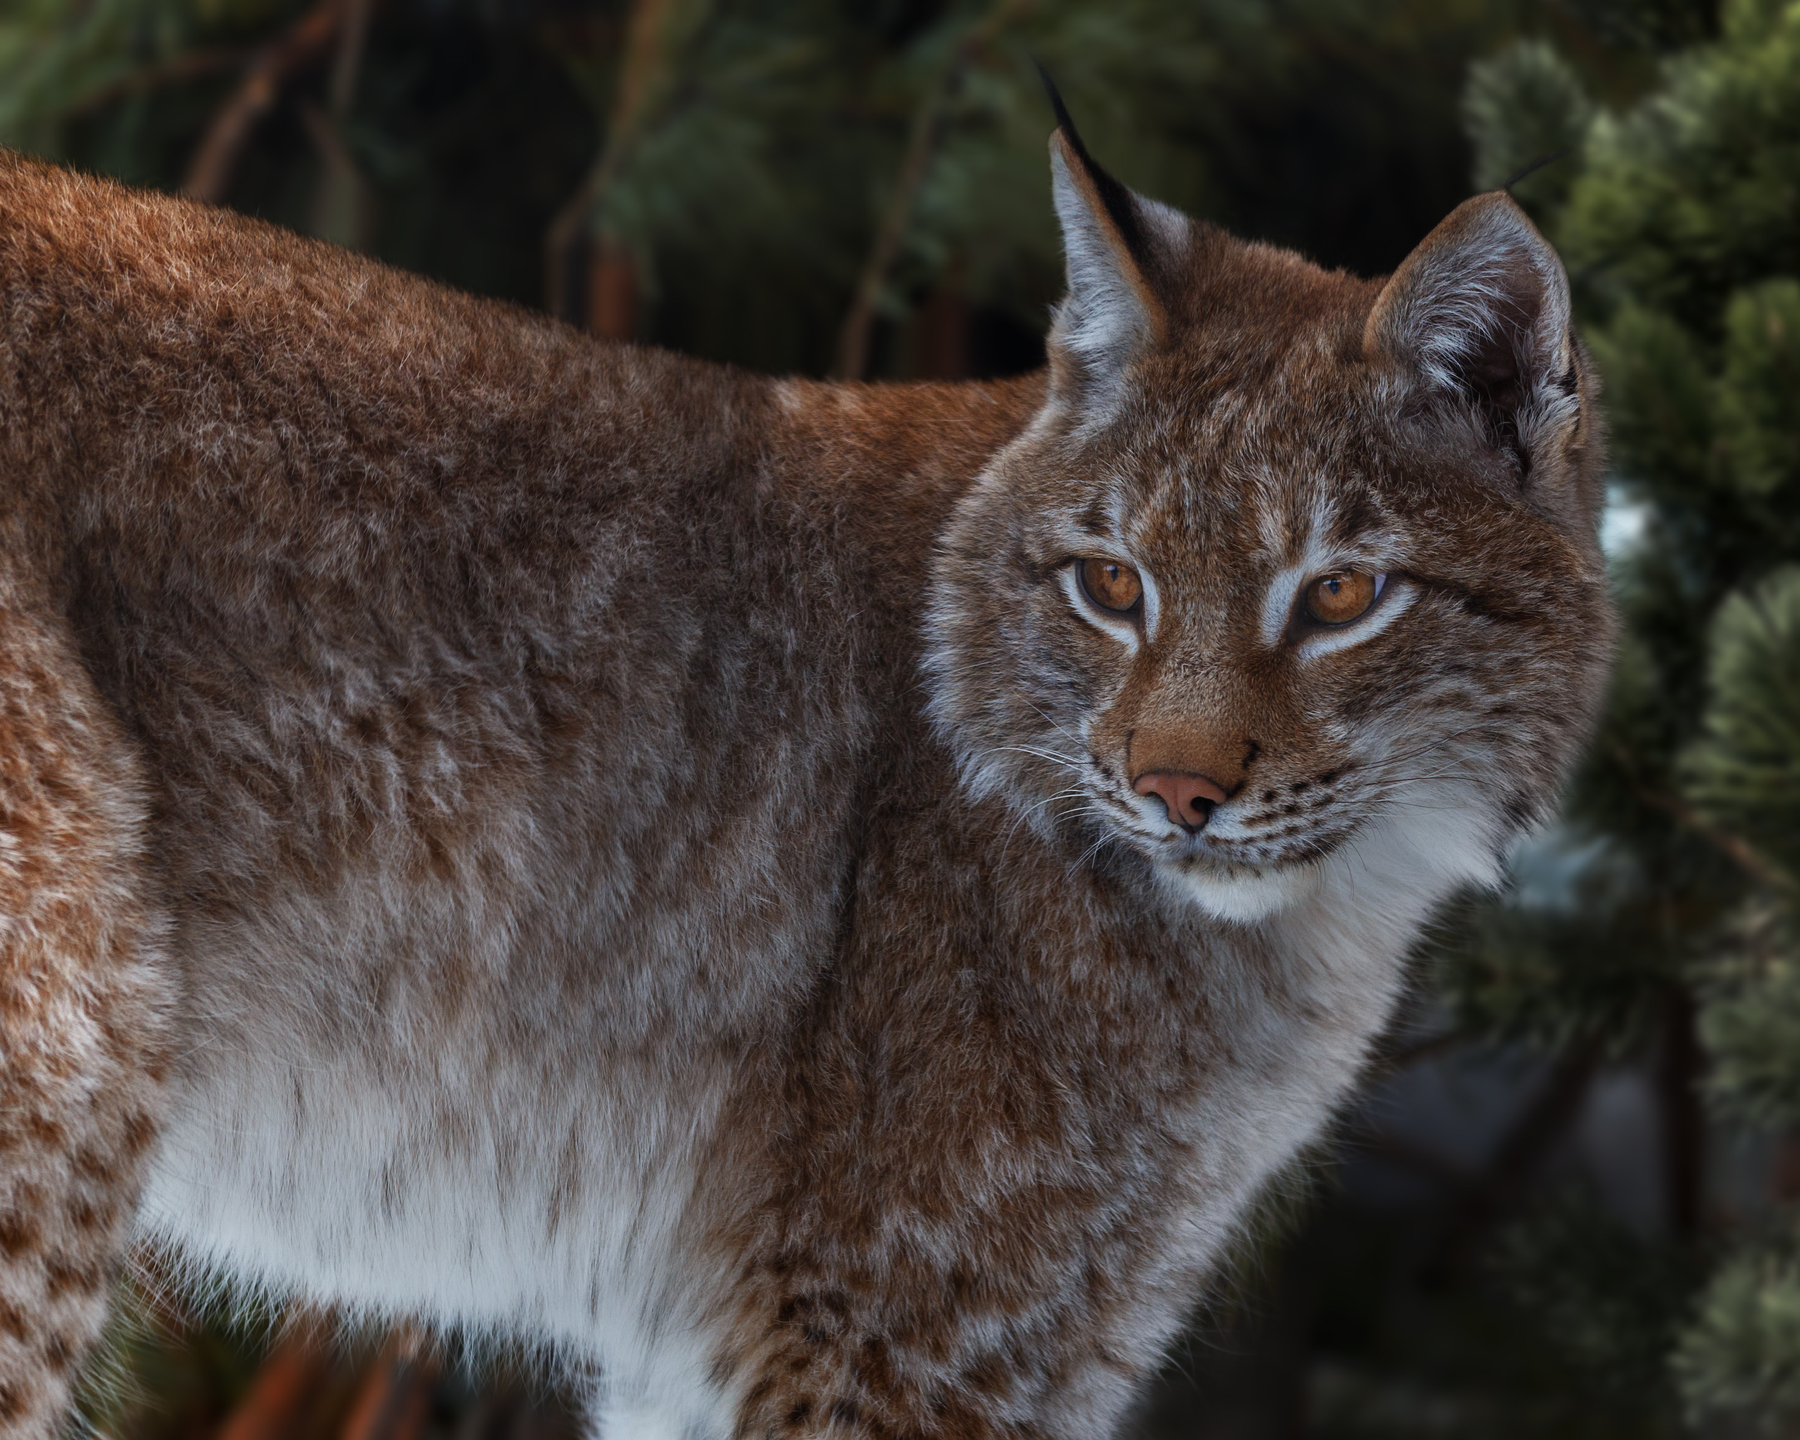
330, 1184
510, 1157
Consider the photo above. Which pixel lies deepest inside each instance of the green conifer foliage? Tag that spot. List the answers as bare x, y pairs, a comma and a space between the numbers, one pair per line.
1741, 1356
1523, 106
1744, 770
1681, 227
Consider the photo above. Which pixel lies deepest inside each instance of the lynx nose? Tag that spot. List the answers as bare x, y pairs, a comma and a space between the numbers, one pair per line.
1189, 798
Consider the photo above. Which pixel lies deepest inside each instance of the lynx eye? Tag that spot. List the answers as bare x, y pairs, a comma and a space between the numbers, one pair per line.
1110, 585
1343, 595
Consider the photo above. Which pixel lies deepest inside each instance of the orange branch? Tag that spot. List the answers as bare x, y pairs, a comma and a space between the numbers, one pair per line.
292, 1374
645, 38
194, 65
915, 164
304, 43
394, 1399
1734, 846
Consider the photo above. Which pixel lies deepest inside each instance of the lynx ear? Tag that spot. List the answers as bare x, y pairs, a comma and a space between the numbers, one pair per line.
1118, 245
1480, 311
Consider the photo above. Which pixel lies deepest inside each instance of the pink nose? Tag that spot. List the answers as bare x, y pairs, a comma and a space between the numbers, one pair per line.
1189, 798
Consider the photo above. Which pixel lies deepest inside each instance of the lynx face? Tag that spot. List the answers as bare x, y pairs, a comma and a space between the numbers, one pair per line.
1290, 564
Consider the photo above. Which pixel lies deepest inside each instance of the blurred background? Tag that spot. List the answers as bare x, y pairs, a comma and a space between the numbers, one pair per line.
1566, 1206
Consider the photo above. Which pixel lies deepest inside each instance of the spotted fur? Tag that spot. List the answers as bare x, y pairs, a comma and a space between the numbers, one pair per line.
548, 837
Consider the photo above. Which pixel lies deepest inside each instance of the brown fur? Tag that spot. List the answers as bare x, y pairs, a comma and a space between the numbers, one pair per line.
549, 752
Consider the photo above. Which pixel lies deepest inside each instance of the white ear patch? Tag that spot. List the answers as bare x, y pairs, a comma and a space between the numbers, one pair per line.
1104, 321
1483, 289
1113, 242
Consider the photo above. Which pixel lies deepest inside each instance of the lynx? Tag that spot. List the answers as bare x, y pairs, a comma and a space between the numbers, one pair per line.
824, 903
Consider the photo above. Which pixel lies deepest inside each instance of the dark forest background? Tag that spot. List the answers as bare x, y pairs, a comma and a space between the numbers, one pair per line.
1566, 1206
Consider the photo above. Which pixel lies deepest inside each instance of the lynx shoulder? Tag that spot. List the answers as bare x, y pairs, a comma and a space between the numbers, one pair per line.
825, 903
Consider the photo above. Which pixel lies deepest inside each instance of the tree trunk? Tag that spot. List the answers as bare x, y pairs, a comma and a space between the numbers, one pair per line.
612, 290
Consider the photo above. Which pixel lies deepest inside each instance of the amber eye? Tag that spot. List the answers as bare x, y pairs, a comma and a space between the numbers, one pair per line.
1338, 598
1110, 585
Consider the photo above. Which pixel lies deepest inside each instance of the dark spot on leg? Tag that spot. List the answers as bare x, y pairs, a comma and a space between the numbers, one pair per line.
873, 1365
92, 1165
12, 1401
140, 1130
62, 1275
18, 1232
12, 1321
986, 1376
799, 1412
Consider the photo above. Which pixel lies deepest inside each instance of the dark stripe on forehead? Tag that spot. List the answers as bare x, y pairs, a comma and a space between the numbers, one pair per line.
1355, 515
1096, 519
1488, 604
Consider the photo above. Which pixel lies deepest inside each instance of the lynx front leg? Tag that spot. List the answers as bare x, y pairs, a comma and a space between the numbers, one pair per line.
82, 1025
976, 1351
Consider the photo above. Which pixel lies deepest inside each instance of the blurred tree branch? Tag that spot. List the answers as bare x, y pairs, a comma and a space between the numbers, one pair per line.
642, 65
304, 43
1738, 849
342, 204
291, 1375
859, 320
1538, 1127
393, 1401
195, 65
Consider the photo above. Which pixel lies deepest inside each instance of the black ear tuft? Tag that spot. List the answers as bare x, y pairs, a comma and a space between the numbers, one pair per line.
1123, 251
1525, 171
1113, 195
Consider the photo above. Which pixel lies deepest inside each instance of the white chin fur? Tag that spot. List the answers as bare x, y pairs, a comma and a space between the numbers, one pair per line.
1247, 896
1395, 870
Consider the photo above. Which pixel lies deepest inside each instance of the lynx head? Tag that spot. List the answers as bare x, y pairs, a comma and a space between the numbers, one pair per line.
1293, 570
